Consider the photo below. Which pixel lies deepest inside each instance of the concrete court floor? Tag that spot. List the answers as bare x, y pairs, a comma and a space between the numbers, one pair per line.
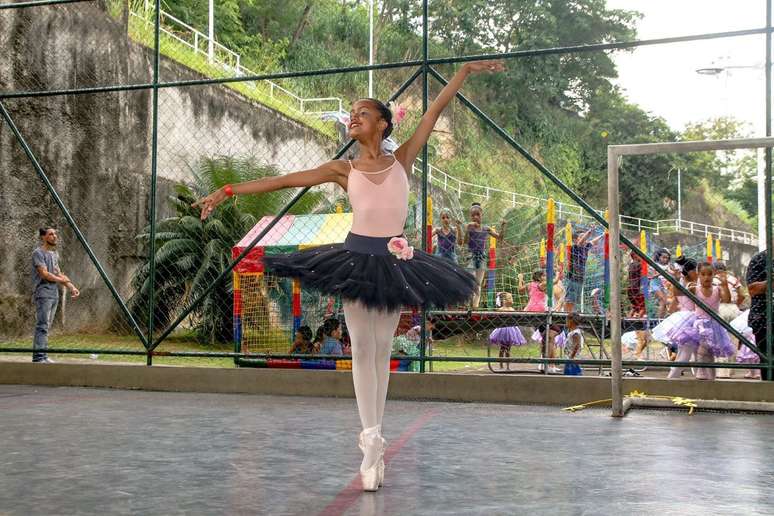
92, 451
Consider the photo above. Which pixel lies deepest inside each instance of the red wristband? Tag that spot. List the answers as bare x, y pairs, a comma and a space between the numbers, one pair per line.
228, 190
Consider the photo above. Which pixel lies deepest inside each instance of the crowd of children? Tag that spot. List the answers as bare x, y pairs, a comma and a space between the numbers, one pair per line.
687, 332
330, 339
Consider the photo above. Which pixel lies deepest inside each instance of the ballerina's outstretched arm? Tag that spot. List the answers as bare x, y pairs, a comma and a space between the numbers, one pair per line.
329, 172
408, 152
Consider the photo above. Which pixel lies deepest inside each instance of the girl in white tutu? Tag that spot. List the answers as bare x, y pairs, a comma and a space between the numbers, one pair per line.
745, 355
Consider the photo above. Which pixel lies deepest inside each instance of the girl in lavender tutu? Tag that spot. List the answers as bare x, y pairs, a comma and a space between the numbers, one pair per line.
509, 335
706, 335
673, 330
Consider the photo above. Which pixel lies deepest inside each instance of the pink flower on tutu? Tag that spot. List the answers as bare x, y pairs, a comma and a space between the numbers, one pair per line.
400, 248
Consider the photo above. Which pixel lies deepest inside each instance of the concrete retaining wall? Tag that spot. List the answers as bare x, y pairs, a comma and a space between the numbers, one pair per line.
96, 149
550, 390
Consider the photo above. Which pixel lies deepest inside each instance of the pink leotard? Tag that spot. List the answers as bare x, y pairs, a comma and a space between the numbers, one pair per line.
684, 304
379, 200
712, 301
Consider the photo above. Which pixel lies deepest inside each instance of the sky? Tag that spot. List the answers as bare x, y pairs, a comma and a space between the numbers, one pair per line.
662, 79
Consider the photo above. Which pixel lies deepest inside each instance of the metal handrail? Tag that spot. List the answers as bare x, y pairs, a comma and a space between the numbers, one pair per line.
233, 62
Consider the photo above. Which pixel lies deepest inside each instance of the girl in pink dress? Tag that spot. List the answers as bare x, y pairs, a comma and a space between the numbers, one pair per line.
375, 271
536, 290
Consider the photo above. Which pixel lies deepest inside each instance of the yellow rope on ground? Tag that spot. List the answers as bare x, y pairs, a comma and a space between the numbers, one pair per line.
677, 400
586, 405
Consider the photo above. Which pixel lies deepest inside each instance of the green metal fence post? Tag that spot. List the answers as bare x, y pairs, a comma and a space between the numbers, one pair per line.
769, 351
425, 94
154, 163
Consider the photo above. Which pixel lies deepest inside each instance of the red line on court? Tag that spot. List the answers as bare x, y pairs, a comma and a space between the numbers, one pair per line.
354, 489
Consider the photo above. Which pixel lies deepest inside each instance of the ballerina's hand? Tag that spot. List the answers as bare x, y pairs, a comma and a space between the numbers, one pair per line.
209, 203
485, 66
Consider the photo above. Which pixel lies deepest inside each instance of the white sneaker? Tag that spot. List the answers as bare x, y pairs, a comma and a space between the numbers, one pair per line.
48, 361
554, 370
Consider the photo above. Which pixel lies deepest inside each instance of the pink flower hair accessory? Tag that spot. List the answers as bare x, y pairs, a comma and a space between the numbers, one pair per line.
399, 247
398, 113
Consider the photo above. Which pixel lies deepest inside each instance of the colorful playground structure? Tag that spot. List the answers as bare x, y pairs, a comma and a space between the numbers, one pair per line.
268, 311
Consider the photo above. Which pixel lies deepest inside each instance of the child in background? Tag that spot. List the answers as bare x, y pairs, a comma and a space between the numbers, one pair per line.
536, 291
331, 344
559, 293
302, 345
318, 339
729, 311
507, 336
576, 272
634, 289
657, 285
447, 237
573, 344
672, 331
476, 238
636, 341
745, 355
713, 339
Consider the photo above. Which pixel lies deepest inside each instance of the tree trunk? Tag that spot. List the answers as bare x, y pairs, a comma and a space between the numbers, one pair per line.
302, 23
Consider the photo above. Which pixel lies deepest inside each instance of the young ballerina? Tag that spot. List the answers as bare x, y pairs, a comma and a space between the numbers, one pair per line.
507, 336
671, 331
713, 340
448, 238
476, 238
375, 271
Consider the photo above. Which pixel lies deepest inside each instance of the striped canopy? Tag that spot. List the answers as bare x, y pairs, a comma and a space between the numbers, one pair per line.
291, 233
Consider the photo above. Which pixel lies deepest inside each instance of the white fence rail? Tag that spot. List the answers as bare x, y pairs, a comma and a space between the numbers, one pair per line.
231, 62
441, 179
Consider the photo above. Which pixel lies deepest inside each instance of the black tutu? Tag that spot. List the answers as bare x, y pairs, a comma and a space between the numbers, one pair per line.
362, 269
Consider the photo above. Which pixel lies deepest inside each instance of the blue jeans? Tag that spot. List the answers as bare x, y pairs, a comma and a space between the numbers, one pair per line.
573, 290
45, 308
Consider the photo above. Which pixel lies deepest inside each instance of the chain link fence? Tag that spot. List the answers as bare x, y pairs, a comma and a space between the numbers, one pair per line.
117, 142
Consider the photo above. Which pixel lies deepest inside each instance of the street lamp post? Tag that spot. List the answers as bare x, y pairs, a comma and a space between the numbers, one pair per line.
715, 70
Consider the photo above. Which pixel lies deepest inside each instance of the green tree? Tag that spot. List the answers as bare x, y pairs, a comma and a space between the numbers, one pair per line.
190, 253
